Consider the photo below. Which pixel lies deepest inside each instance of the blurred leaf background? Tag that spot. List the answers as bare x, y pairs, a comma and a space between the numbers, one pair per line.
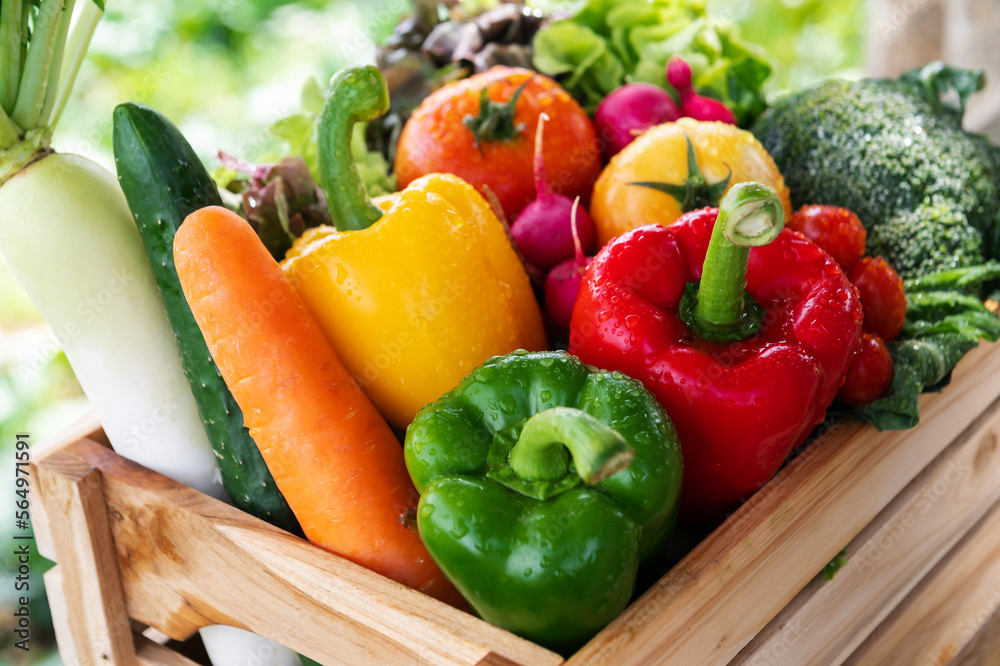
225, 70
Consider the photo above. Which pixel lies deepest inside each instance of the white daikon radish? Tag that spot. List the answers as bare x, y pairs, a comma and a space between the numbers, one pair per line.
68, 235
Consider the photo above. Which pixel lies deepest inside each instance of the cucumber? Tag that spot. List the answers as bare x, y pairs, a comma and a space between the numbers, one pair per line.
164, 181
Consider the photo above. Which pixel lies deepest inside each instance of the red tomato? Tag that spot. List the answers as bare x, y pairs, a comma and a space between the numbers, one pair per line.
439, 138
882, 296
870, 372
836, 230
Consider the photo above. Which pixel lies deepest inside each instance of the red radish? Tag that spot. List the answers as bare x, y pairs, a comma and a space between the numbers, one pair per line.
536, 275
628, 112
544, 230
679, 75
563, 281
694, 105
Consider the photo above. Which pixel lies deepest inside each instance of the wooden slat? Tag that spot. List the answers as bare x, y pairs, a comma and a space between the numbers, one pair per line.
60, 616
91, 591
738, 579
984, 649
188, 561
947, 609
828, 620
86, 426
149, 653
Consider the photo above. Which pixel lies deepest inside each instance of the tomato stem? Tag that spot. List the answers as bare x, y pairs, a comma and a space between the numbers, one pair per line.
495, 121
695, 192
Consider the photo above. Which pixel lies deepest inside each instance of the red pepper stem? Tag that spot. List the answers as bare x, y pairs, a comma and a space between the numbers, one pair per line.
357, 94
598, 451
750, 215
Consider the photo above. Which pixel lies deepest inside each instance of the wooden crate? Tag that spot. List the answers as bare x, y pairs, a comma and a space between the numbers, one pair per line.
919, 511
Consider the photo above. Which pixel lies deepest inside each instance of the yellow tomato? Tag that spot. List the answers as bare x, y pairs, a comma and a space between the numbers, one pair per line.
661, 155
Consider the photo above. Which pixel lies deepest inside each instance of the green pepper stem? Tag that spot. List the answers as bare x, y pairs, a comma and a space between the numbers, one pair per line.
750, 215
357, 94
540, 452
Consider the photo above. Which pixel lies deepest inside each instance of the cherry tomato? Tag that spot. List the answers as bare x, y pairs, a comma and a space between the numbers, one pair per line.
837, 230
883, 299
447, 134
870, 372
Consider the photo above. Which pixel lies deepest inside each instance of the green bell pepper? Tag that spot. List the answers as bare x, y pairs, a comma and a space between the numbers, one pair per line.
544, 483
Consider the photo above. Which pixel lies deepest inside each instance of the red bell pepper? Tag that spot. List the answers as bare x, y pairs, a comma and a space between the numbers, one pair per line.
742, 330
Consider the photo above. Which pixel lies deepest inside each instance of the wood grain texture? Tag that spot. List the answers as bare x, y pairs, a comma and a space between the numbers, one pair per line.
86, 426
60, 615
946, 611
188, 560
737, 580
149, 653
828, 620
90, 593
984, 649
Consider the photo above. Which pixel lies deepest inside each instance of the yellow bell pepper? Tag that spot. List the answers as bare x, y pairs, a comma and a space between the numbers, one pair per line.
416, 293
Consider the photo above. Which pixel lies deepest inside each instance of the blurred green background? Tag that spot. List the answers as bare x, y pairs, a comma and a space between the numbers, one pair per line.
225, 70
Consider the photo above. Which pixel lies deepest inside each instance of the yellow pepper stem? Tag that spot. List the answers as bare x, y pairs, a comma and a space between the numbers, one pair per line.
357, 94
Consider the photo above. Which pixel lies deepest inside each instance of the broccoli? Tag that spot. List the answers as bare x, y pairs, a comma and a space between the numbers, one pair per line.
895, 153
927, 239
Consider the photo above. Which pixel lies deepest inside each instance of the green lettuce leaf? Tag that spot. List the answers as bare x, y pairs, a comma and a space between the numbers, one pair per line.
612, 42
297, 133
372, 166
581, 56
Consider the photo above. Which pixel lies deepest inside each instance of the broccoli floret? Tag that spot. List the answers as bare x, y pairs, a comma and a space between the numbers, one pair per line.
885, 149
930, 238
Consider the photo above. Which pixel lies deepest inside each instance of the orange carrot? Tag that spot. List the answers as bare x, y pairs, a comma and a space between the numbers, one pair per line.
332, 455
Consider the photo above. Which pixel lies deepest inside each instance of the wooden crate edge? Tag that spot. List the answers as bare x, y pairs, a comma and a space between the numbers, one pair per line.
176, 548
829, 619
